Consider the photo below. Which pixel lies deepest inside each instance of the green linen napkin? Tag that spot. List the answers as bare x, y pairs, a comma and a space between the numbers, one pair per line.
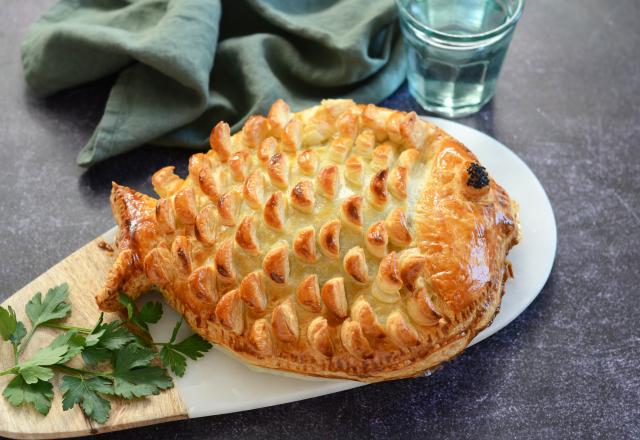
182, 65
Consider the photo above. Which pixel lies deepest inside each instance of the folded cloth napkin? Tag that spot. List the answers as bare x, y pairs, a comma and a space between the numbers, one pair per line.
182, 65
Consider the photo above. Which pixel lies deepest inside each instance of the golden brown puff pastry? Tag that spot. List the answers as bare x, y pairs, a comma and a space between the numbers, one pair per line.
343, 241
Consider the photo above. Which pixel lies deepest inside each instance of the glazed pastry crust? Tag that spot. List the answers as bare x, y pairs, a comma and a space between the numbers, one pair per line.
343, 241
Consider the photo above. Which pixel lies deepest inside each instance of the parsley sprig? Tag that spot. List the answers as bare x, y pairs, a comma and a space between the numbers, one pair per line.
120, 359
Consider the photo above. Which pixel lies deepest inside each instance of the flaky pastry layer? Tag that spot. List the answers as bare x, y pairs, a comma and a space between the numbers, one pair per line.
345, 241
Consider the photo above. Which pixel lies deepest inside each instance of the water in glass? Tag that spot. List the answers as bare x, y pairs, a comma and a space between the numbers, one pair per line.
455, 58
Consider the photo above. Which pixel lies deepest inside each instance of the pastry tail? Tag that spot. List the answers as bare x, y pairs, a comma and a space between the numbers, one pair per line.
137, 229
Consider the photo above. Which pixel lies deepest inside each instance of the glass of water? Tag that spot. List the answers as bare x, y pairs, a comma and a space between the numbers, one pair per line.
455, 49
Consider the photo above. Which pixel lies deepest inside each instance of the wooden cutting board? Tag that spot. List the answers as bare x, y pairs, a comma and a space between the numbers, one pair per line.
84, 271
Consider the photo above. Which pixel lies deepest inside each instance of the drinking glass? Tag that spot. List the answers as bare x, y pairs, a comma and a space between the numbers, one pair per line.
455, 50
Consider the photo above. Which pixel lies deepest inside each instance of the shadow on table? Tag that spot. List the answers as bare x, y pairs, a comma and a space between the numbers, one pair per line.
75, 111
79, 110
133, 169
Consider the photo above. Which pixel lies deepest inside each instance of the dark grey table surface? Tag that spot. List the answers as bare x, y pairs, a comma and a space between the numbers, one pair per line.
568, 103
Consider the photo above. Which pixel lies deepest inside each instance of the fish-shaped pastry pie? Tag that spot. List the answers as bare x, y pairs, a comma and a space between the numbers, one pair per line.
344, 241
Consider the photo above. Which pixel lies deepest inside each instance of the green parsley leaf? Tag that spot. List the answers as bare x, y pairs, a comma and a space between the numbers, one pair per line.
176, 328
115, 336
96, 333
93, 339
48, 355
11, 329
104, 339
194, 347
150, 313
54, 305
34, 373
39, 311
112, 337
74, 342
128, 304
132, 375
132, 356
93, 356
78, 390
174, 356
19, 333
8, 322
141, 382
174, 360
39, 394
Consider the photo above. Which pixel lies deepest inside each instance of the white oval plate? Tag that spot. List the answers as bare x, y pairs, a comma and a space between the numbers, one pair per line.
219, 384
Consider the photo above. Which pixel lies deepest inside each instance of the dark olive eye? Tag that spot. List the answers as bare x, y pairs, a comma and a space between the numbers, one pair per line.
478, 177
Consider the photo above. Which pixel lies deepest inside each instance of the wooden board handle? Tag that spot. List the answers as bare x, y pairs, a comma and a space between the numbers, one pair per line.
85, 270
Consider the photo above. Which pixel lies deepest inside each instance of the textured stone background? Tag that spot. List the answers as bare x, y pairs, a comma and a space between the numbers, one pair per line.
568, 103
